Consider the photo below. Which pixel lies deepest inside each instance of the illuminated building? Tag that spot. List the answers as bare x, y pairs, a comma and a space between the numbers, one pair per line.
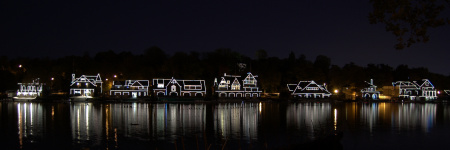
174, 87
308, 89
29, 90
133, 88
370, 92
415, 90
86, 86
235, 86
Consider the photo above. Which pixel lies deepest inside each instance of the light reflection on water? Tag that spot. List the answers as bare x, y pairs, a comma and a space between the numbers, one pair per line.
120, 125
29, 122
400, 116
310, 117
237, 120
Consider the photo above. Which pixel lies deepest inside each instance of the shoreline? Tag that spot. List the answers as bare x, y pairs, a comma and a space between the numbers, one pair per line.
209, 100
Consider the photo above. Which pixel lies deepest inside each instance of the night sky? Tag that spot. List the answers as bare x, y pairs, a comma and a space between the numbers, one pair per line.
337, 29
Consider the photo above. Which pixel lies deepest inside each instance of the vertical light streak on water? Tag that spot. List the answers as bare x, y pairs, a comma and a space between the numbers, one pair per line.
86, 111
335, 119
25, 119
19, 113
78, 125
53, 113
260, 107
31, 118
107, 122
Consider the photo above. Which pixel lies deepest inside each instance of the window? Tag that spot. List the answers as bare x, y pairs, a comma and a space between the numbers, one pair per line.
312, 88
160, 85
193, 87
174, 88
235, 87
250, 81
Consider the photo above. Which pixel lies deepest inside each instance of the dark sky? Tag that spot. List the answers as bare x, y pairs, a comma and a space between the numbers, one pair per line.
337, 29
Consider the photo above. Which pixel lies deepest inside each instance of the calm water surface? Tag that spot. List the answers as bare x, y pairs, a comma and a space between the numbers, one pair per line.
264, 125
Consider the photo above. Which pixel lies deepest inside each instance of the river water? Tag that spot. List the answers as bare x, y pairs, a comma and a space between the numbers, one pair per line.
242, 125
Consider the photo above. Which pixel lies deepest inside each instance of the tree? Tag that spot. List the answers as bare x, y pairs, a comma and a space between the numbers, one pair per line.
261, 54
409, 18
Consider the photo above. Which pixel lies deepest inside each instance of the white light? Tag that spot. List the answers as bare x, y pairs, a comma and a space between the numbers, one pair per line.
20, 66
179, 87
308, 89
52, 79
235, 88
335, 119
260, 105
439, 92
106, 79
336, 91
115, 76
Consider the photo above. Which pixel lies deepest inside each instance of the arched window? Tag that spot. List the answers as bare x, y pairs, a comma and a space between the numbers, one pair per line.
174, 88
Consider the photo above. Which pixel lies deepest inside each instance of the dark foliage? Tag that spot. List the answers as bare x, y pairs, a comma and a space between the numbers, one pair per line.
409, 20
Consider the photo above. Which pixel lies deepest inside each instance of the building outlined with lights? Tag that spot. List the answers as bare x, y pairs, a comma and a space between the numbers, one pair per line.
179, 88
130, 88
370, 92
86, 86
233, 86
308, 89
29, 90
416, 90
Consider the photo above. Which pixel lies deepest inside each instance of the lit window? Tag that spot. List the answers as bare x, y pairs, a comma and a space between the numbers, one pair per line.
235, 87
174, 88
160, 85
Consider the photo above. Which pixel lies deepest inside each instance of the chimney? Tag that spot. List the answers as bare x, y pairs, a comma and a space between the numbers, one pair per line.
371, 81
73, 76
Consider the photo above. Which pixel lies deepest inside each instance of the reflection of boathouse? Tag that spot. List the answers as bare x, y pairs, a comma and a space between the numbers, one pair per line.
370, 92
29, 90
308, 89
174, 87
86, 86
236, 86
416, 90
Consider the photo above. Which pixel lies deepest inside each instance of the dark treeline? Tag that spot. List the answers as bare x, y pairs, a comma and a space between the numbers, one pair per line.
274, 73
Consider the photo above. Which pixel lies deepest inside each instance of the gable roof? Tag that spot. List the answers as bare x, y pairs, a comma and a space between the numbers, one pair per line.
303, 84
136, 83
236, 82
426, 83
173, 81
413, 85
180, 83
292, 87
87, 79
407, 84
302, 87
